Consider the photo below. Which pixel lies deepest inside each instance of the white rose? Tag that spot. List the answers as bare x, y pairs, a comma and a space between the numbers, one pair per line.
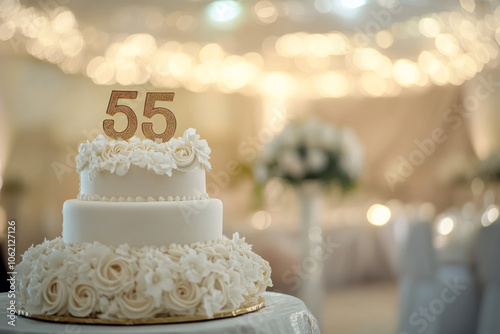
54, 296
292, 165
183, 156
200, 146
184, 298
316, 160
136, 306
83, 299
114, 274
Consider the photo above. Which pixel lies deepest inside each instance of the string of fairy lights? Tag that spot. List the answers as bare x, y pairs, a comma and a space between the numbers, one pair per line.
457, 46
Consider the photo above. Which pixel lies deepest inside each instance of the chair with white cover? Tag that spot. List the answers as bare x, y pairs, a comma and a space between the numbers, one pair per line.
488, 267
418, 284
457, 302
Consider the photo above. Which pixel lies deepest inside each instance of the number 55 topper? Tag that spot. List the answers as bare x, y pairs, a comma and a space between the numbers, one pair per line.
149, 111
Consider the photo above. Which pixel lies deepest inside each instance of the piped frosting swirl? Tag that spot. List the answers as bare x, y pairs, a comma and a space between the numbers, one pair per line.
116, 156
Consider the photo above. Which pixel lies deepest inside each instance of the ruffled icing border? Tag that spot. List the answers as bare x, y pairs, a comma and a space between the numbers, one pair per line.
97, 197
116, 156
98, 281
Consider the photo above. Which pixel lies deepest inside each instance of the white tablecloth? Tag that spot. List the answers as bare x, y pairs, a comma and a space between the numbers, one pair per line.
282, 314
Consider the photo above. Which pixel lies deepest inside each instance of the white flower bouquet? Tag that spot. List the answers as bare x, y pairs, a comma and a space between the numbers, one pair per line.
312, 151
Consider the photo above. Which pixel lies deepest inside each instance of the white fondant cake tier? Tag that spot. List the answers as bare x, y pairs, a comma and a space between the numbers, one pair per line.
141, 182
142, 223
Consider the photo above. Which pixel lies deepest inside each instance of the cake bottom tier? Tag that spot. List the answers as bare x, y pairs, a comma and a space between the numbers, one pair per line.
123, 282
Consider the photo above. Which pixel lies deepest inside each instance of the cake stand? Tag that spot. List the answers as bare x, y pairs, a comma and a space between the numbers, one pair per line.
282, 314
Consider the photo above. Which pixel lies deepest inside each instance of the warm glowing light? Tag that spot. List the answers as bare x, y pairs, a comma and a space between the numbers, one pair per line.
447, 44
289, 45
429, 27
223, 10
490, 215
468, 5
125, 74
363, 58
64, 22
384, 39
318, 45
185, 22
104, 74
445, 225
468, 30
406, 72
211, 52
335, 63
383, 66
323, 6
236, 72
179, 64
261, 220
332, 84
266, 11
93, 65
279, 84
372, 84
339, 42
378, 214
351, 3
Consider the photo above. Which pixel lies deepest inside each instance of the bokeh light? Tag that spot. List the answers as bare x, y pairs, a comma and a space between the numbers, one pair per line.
378, 214
445, 225
261, 220
224, 10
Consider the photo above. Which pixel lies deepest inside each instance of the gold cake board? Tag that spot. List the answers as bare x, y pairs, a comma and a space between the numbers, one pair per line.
146, 321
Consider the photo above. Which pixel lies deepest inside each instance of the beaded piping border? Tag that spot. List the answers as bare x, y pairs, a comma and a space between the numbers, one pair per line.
97, 197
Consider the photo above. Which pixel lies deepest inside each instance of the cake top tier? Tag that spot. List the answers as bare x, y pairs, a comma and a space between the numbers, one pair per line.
116, 156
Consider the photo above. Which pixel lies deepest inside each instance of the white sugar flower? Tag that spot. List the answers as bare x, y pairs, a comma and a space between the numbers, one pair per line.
195, 266
153, 282
99, 143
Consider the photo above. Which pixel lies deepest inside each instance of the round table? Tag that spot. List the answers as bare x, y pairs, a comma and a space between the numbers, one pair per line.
282, 314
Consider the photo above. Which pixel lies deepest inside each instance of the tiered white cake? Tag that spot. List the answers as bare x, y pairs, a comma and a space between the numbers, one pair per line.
141, 240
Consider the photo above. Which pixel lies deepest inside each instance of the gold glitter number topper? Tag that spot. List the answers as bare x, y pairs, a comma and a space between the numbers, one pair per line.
149, 111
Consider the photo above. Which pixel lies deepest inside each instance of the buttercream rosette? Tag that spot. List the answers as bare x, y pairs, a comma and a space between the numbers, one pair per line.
123, 282
116, 156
